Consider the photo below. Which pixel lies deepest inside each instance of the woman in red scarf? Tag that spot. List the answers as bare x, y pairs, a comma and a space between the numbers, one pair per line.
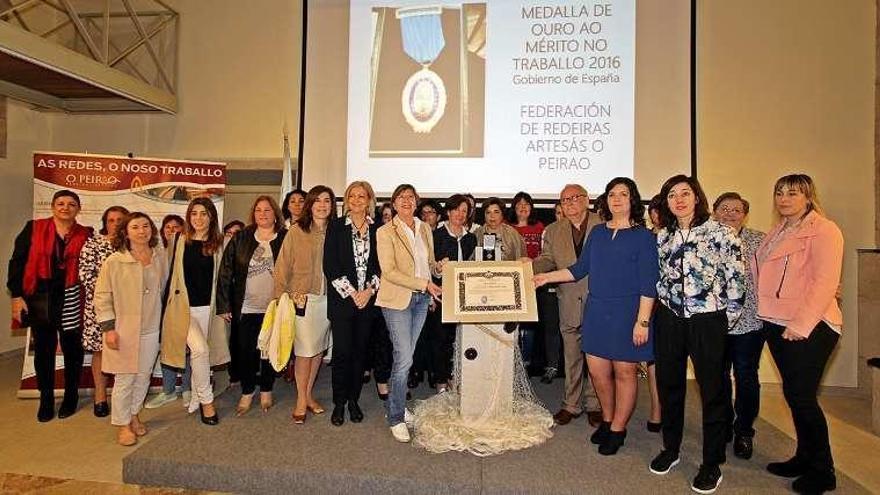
43, 279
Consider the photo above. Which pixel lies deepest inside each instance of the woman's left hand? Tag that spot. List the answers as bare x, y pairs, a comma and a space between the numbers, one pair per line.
111, 338
435, 290
791, 336
640, 335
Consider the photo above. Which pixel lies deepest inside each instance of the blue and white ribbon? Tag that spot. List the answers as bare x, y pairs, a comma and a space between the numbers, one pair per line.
422, 36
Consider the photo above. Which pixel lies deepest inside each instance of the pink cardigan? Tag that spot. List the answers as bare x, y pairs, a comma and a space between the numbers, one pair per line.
797, 281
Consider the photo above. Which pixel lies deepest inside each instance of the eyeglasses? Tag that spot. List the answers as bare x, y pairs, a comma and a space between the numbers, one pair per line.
728, 209
572, 199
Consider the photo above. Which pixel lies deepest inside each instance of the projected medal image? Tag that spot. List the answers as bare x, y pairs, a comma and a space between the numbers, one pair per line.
428, 81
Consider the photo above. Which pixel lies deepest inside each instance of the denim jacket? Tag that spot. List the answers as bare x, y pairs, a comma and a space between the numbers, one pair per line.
701, 271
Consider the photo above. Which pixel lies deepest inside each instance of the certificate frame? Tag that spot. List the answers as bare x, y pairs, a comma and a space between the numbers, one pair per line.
463, 280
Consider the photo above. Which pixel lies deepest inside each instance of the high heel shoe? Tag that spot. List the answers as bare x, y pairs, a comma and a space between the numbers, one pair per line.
102, 409
601, 434
612, 443
654, 427
244, 404
208, 420
315, 409
266, 401
382, 396
299, 419
139, 428
126, 437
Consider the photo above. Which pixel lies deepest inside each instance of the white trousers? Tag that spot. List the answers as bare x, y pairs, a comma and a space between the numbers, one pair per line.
130, 389
197, 341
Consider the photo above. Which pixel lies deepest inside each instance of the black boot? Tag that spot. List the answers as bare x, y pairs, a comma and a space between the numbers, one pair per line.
612, 442
791, 468
815, 482
46, 412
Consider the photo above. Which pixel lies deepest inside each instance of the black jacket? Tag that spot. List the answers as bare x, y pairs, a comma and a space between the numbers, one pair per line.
233, 271
446, 246
339, 262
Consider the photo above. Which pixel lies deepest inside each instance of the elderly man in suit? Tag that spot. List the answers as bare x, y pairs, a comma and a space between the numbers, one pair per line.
563, 241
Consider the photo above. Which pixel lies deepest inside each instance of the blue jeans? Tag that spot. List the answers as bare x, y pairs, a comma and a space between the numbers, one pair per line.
169, 378
404, 327
743, 354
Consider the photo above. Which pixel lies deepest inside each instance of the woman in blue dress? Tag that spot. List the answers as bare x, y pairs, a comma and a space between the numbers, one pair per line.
620, 256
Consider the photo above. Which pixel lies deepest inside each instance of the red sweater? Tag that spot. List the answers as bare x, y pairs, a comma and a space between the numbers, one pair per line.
532, 235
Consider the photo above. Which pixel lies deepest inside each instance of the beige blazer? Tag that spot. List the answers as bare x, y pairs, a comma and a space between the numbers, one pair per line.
557, 253
397, 261
514, 245
118, 299
175, 321
299, 268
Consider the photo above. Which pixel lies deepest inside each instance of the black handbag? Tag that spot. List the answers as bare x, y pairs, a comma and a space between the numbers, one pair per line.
166, 291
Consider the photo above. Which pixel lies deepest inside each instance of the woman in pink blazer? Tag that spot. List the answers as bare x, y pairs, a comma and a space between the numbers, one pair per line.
797, 269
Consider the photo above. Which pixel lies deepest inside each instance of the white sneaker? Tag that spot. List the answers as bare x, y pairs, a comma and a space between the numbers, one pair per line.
401, 433
187, 398
160, 400
408, 416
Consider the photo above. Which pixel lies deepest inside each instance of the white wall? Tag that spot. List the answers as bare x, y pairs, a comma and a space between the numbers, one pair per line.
788, 86
27, 130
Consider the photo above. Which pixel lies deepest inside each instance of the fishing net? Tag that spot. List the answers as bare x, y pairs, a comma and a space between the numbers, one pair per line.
504, 421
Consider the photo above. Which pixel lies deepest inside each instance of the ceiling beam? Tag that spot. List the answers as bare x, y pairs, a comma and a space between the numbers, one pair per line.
143, 33
81, 29
32, 96
33, 48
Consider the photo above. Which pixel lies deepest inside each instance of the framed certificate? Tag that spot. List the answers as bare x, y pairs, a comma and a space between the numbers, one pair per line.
488, 292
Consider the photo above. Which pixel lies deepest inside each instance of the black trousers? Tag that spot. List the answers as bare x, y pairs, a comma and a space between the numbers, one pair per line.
423, 356
702, 337
379, 350
441, 337
351, 337
45, 330
548, 326
236, 351
249, 361
45, 343
743, 356
801, 364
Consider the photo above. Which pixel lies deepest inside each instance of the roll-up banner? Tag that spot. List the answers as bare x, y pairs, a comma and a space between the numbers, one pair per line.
155, 186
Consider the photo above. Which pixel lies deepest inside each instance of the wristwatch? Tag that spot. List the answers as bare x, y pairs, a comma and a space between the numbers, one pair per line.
643, 323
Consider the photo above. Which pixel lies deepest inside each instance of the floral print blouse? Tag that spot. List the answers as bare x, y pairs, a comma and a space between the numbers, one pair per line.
702, 271
91, 257
748, 321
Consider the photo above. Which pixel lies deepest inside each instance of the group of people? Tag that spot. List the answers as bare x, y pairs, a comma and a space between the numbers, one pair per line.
693, 283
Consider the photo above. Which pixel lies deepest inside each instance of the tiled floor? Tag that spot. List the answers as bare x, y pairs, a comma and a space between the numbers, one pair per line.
23, 483
79, 454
